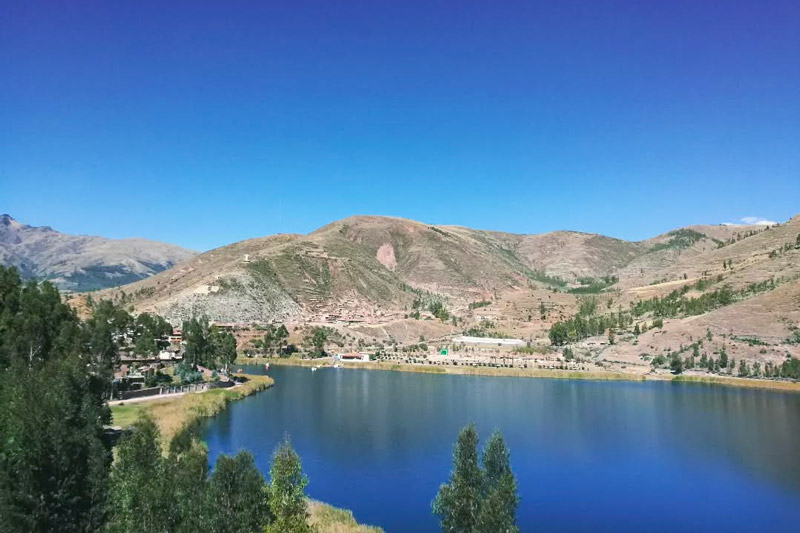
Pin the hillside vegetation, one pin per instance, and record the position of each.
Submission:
(390, 280)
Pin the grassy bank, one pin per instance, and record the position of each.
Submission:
(455, 370)
(171, 414)
(328, 519)
(786, 386)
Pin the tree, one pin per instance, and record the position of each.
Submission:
(53, 460)
(723, 358)
(458, 501)
(676, 364)
(139, 497)
(500, 500)
(187, 472)
(636, 330)
(285, 492)
(744, 370)
(35, 325)
(274, 339)
(797, 241)
(149, 331)
(316, 339)
(439, 310)
(236, 496)
(196, 335)
(223, 347)
(611, 337)
(108, 323)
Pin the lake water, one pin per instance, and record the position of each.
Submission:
(600, 456)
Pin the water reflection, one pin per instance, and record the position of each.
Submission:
(588, 455)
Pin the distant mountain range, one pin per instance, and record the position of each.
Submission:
(380, 279)
(366, 266)
(82, 262)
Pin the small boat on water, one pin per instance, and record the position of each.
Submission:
(313, 368)
(266, 367)
(337, 365)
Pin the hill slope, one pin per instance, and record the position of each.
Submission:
(82, 262)
(374, 269)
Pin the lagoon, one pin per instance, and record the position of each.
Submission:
(588, 455)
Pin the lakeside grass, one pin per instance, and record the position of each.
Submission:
(171, 414)
(750, 383)
(454, 370)
(726, 381)
(326, 518)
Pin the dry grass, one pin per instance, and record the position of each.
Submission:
(325, 518)
(171, 414)
(786, 386)
(456, 370)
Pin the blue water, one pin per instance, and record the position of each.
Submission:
(599, 456)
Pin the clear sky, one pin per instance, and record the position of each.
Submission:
(203, 123)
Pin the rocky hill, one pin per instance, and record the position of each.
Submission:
(366, 267)
(380, 279)
(82, 262)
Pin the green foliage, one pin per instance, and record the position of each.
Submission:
(499, 507)
(542, 277)
(35, 326)
(676, 364)
(275, 339)
(187, 374)
(206, 345)
(149, 332)
(482, 303)
(744, 369)
(198, 349)
(593, 285)
(581, 327)
(315, 340)
(138, 500)
(568, 354)
(680, 239)
(286, 491)
(587, 306)
(236, 495)
(475, 498)
(223, 347)
(439, 310)
(458, 501)
(153, 492)
(675, 304)
(53, 460)
(658, 361)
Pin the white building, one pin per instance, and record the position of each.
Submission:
(487, 341)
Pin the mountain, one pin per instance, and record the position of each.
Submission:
(374, 265)
(82, 262)
(368, 276)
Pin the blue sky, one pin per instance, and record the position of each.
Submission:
(203, 123)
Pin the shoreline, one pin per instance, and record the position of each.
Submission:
(174, 412)
(725, 381)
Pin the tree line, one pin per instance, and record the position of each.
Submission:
(175, 492)
(57, 472)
